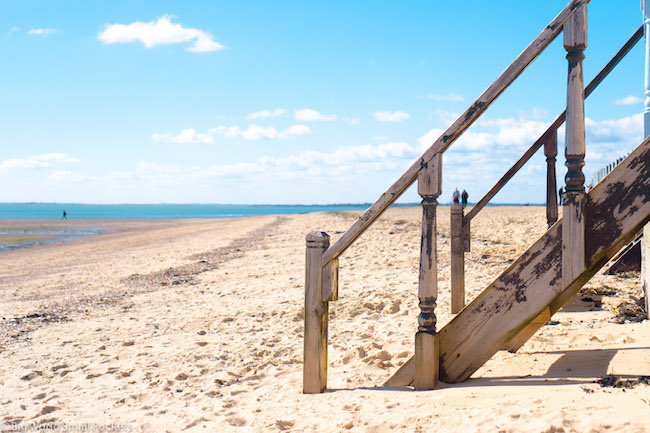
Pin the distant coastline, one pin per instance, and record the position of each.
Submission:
(80, 211)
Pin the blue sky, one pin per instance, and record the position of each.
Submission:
(290, 101)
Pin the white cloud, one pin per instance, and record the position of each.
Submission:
(345, 159)
(626, 129)
(536, 113)
(298, 130)
(252, 132)
(391, 116)
(186, 136)
(10, 164)
(309, 115)
(512, 131)
(256, 132)
(500, 132)
(35, 162)
(449, 97)
(14, 29)
(309, 164)
(352, 120)
(266, 114)
(628, 100)
(59, 157)
(447, 117)
(65, 176)
(160, 32)
(41, 32)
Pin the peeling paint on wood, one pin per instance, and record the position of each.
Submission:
(495, 316)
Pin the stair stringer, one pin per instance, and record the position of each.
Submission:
(616, 209)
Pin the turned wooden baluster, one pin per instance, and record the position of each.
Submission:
(426, 339)
(550, 151)
(314, 379)
(573, 222)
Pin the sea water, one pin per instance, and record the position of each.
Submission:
(30, 233)
(52, 211)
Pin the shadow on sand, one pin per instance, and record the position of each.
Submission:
(574, 367)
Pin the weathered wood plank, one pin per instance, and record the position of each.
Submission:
(457, 259)
(467, 236)
(645, 267)
(331, 281)
(430, 178)
(617, 208)
(426, 340)
(452, 133)
(314, 379)
(404, 375)
(530, 330)
(573, 236)
(426, 361)
(573, 225)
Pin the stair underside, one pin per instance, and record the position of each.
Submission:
(615, 210)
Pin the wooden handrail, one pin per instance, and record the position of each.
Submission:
(530, 53)
(554, 126)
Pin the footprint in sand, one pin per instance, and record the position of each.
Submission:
(284, 425)
(33, 375)
(394, 308)
(47, 409)
(236, 421)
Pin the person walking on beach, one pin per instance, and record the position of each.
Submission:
(463, 198)
(456, 197)
(560, 192)
(65, 215)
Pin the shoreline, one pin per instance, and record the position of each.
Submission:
(53, 211)
(55, 231)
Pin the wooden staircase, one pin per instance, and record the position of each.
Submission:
(617, 208)
(595, 226)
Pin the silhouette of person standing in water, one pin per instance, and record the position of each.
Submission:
(463, 198)
(65, 215)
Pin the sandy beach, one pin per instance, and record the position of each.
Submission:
(196, 325)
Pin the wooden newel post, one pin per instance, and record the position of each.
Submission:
(550, 151)
(573, 222)
(314, 379)
(426, 339)
(458, 245)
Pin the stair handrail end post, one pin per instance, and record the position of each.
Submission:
(315, 315)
